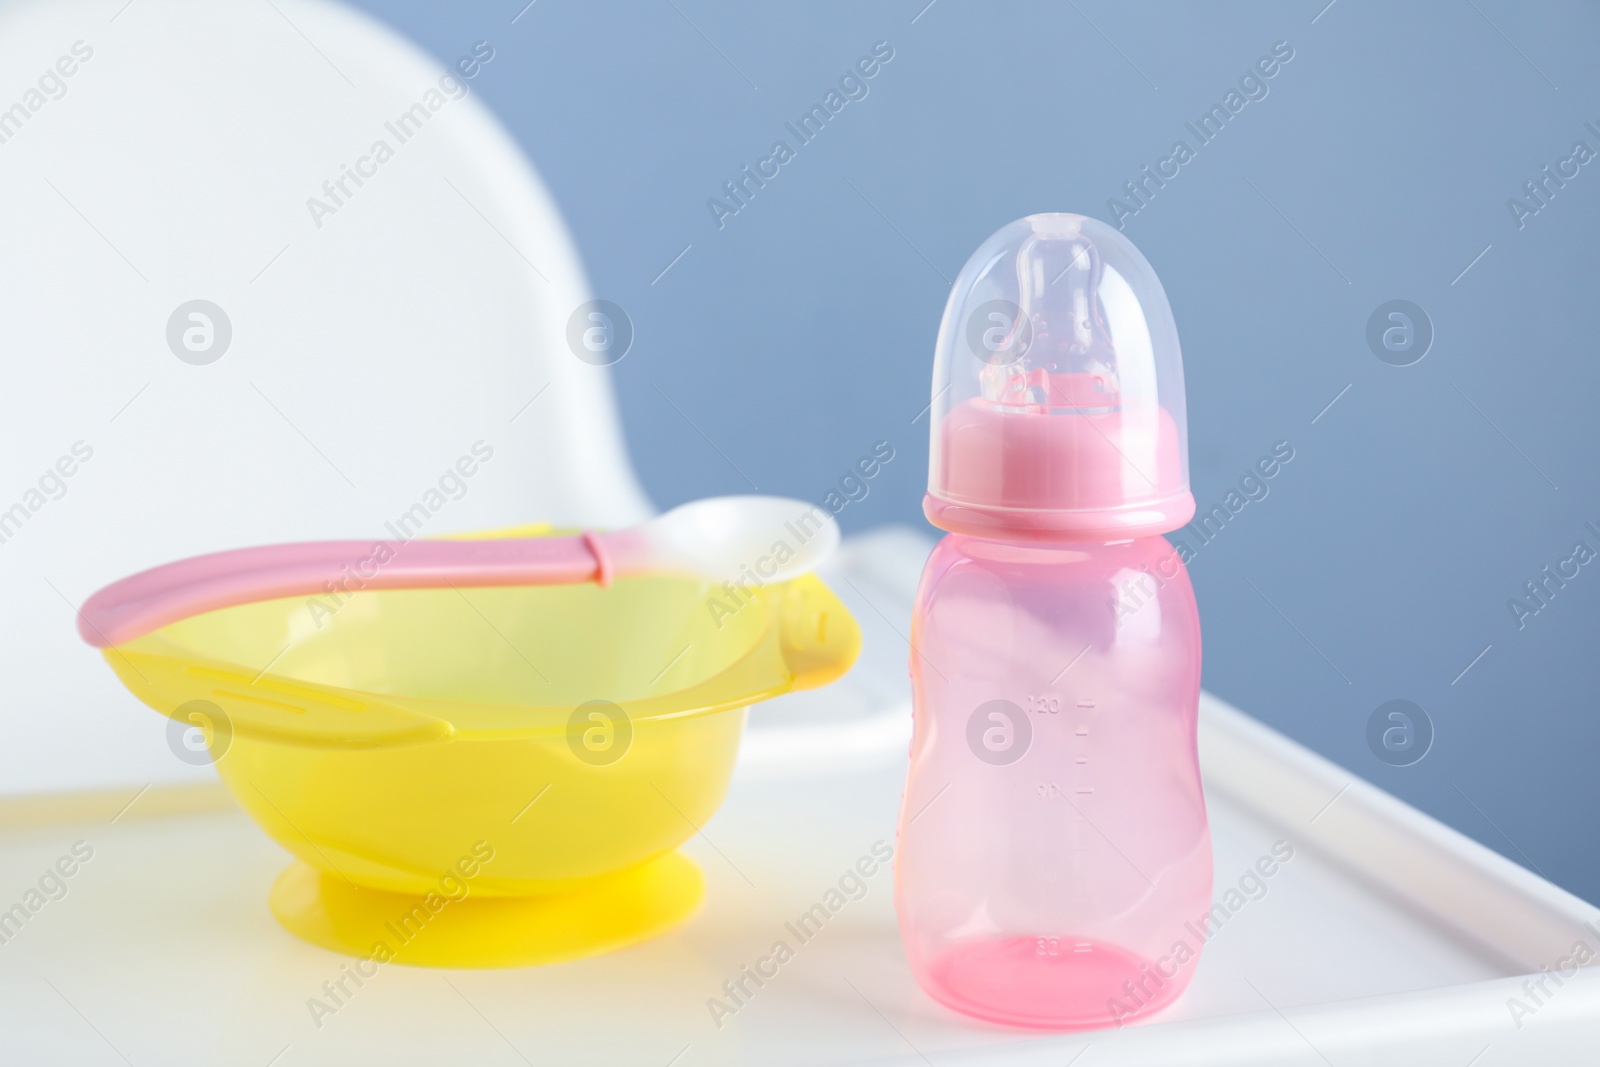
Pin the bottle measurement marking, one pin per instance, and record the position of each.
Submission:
(1046, 704)
(1081, 855)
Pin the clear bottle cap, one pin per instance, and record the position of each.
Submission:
(1058, 405)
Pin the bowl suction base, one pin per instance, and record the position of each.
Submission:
(482, 931)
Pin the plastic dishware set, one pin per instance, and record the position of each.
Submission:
(502, 739)
(509, 766)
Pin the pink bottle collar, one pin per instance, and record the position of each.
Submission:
(1032, 525)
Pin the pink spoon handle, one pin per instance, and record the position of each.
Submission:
(140, 603)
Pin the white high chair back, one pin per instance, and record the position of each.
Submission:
(268, 273)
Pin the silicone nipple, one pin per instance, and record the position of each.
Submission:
(1070, 358)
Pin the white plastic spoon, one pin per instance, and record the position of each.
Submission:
(756, 539)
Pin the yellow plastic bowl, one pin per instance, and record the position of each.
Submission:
(575, 734)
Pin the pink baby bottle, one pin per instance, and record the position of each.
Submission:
(1054, 867)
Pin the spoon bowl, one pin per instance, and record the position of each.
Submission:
(727, 538)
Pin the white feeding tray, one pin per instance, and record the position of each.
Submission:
(1387, 938)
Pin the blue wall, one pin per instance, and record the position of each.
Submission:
(1378, 166)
